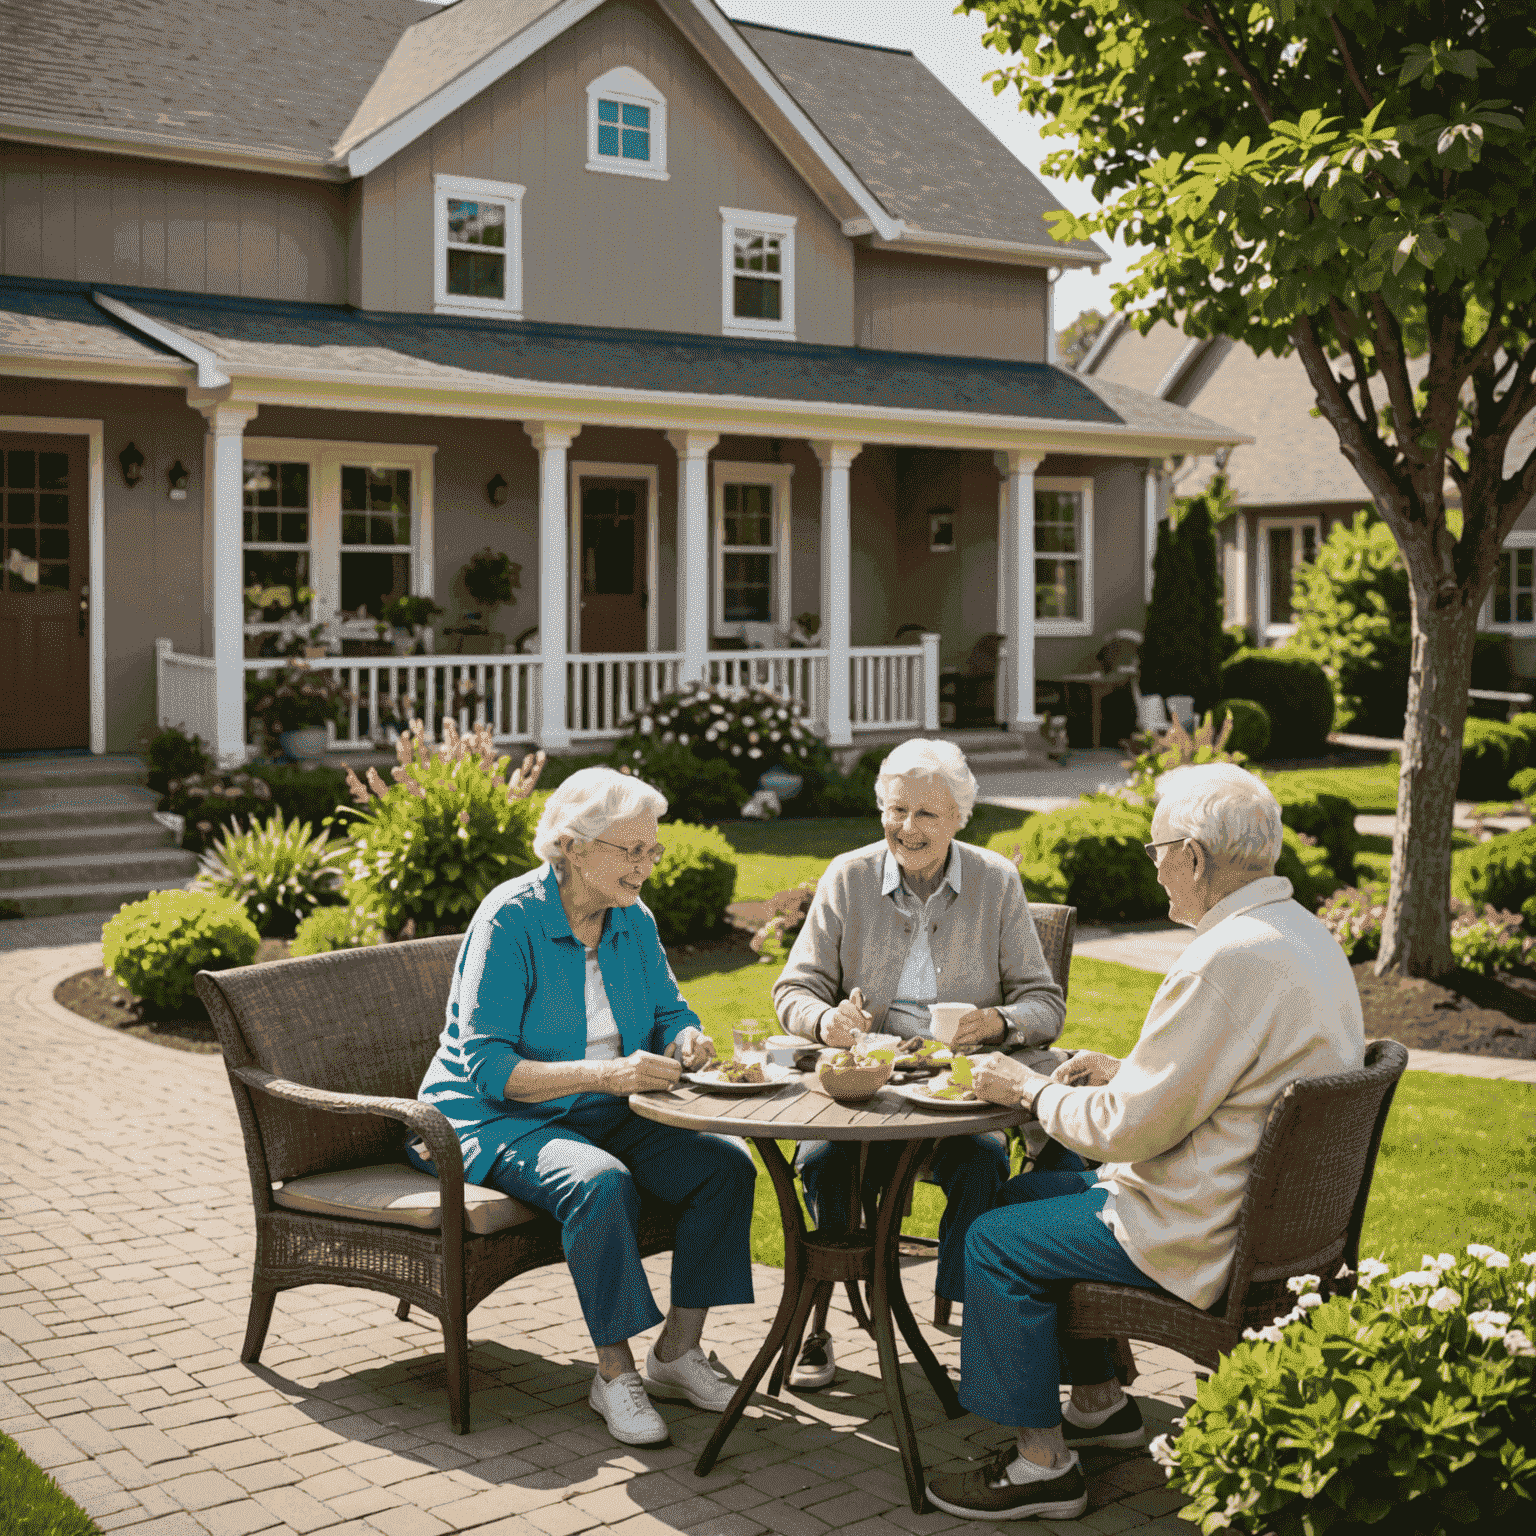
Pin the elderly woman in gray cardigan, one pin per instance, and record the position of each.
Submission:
(916, 919)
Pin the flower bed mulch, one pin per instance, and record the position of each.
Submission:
(1476, 1015)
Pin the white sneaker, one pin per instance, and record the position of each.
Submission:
(627, 1410)
(815, 1368)
(690, 1376)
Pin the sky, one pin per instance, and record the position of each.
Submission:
(951, 47)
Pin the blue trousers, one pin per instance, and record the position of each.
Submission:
(1046, 1229)
(969, 1169)
(588, 1171)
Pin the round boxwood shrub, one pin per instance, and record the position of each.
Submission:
(1251, 728)
(1090, 856)
(1492, 752)
(331, 928)
(699, 791)
(156, 947)
(1305, 864)
(1327, 819)
(693, 884)
(1293, 690)
(1499, 873)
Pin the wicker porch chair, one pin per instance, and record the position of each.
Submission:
(324, 1056)
(1057, 928)
(1301, 1214)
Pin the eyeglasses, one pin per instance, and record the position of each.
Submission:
(1172, 842)
(641, 853)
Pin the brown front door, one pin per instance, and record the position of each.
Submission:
(45, 691)
(613, 574)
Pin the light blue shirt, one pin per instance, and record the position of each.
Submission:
(919, 983)
(519, 994)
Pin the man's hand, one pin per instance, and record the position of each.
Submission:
(640, 1072)
(839, 1027)
(1004, 1080)
(981, 1026)
(1087, 1069)
(693, 1048)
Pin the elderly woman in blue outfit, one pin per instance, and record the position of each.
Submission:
(563, 1004)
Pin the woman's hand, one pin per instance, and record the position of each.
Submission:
(640, 1072)
(981, 1026)
(849, 1018)
(1001, 1079)
(692, 1047)
(1087, 1069)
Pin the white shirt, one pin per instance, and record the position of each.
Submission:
(919, 983)
(1262, 997)
(603, 1042)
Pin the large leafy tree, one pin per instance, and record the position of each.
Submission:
(1357, 182)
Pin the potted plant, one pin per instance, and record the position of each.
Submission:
(807, 627)
(278, 604)
(408, 617)
(489, 578)
(295, 708)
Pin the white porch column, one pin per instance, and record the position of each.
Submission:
(836, 581)
(693, 449)
(553, 439)
(224, 568)
(1017, 534)
(1149, 520)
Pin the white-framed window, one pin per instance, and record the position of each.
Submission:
(941, 531)
(477, 247)
(1064, 556)
(758, 273)
(751, 585)
(626, 126)
(1284, 543)
(1511, 605)
(352, 521)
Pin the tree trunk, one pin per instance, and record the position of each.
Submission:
(1416, 936)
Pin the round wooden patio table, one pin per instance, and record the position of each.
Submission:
(800, 1112)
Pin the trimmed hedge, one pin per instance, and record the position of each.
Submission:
(1499, 873)
(1306, 866)
(693, 884)
(1090, 856)
(1492, 752)
(332, 928)
(156, 947)
(1294, 691)
(1329, 819)
(1251, 727)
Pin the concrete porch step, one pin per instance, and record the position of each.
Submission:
(104, 805)
(149, 868)
(83, 840)
(69, 772)
(98, 896)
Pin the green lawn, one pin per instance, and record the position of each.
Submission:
(1371, 790)
(32, 1504)
(1457, 1165)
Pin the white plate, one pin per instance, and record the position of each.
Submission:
(712, 1082)
(919, 1094)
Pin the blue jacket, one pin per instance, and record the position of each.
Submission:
(519, 994)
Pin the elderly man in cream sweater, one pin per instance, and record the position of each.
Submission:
(1262, 996)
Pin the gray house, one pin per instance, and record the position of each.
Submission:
(708, 327)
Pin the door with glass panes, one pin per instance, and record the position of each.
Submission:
(613, 560)
(44, 594)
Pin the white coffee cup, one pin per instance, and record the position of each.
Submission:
(945, 1020)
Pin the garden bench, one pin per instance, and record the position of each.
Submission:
(1301, 1214)
(324, 1056)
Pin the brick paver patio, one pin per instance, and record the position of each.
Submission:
(125, 1249)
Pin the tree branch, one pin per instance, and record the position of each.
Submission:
(1208, 23)
(1346, 334)
(1349, 64)
(1394, 369)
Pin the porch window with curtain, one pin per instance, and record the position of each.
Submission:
(747, 555)
(375, 537)
(277, 531)
(1058, 555)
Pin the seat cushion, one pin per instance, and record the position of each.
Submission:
(397, 1193)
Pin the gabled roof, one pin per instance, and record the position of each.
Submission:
(940, 170)
(267, 80)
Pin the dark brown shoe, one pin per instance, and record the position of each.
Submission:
(987, 1493)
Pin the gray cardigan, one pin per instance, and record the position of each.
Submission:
(985, 949)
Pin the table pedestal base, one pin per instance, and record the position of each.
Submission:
(812, 1263)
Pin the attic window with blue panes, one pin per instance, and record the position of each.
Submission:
(626, 126)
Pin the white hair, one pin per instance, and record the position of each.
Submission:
(921, 758)
(1227, 810)
(587, 804)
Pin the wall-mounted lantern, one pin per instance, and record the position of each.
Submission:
(133, 465)
(178, 479)
(496, 491)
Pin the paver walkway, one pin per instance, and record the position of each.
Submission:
(125, 1251)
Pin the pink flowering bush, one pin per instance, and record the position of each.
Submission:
(1483, 939)
(1413, 1399)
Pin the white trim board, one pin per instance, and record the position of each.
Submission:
(593, 469)
(94, 433)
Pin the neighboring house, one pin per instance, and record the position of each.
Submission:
(706, 325)
(1291, 480)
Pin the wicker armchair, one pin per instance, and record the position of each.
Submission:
(1301, 1214)
(324, 1057)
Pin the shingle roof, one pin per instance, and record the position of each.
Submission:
(912, 142)
(276, 78)
(51, 321)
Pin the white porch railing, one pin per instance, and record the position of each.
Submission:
(892, 687)
(185, 692)
(604, 691)
(792, 674)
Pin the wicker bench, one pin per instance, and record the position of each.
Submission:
(324, 1056)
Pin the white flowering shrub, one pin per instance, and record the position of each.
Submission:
(423, 852)
(1415, 1399)
(278, 871)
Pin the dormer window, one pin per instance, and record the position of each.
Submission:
(626, 125)
(478, 256)
(758, 276)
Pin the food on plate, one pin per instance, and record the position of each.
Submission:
(923, 1055)
(742, 1072)
(958, 1085)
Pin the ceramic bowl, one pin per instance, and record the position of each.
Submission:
(852, 1085)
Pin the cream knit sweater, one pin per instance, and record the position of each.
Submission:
(1262, 997)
